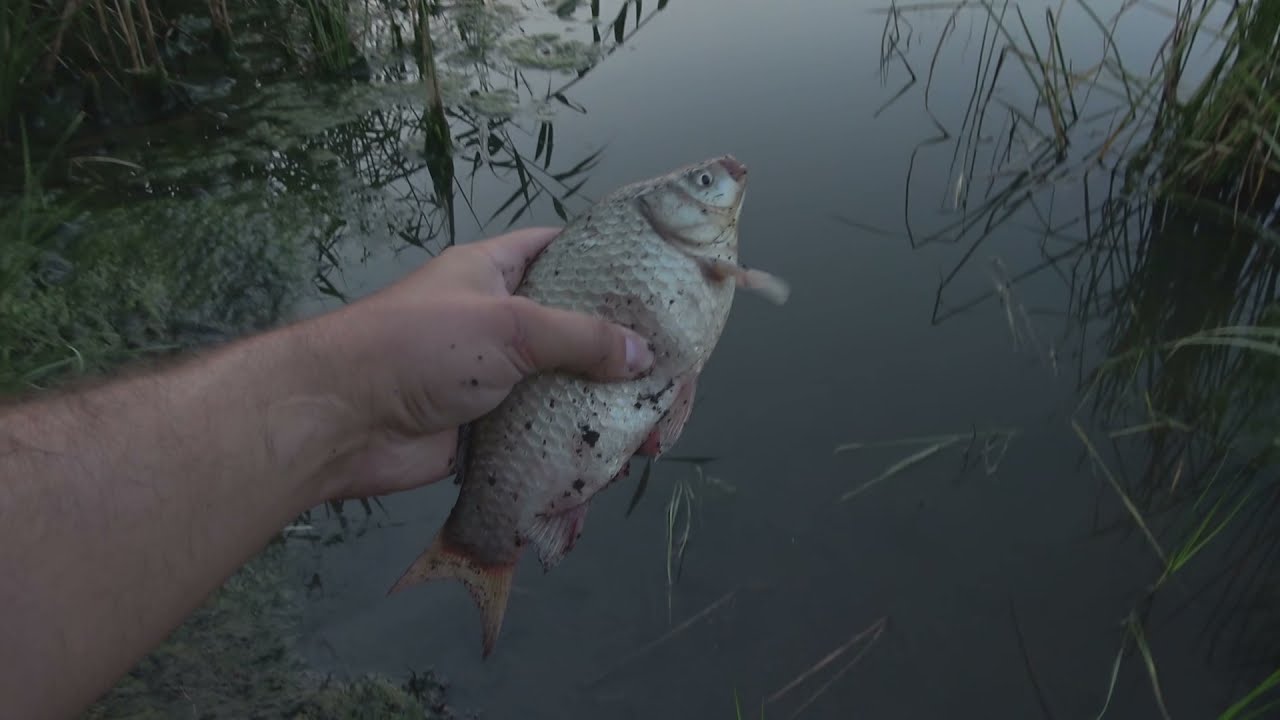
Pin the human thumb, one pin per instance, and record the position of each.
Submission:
(546, 338)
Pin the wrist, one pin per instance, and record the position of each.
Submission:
(314, 418)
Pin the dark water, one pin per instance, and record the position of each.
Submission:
(1002, 592)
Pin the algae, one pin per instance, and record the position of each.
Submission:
(502, 102)
(549, 51)
(235, 658)
(102, 286)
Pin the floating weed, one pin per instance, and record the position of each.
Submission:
(1140, 638)
(866, 638)
(679, 506)
(1021, 328)
(667, 636)
(994, 445)
(549, 51)
(493, 103)
(679, 514)
(1129, 505)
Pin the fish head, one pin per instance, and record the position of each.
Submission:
(697, 206)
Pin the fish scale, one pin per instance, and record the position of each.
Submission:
(659, 256)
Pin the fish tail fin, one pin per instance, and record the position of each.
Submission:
(490, 586)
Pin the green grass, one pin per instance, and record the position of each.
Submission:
(83, 292)
(990, 445)
(235, 657)
(328, 22)
(1148, 183)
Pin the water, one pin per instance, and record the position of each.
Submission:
(1000, 590)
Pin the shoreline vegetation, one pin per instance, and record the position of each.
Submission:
(1150, 184)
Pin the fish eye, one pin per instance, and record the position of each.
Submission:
(704, 179)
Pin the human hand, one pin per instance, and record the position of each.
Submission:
(444, 346)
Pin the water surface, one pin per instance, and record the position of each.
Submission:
(1002, 581)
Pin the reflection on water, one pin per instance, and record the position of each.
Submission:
(960, 472)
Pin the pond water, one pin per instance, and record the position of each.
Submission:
(994, 576)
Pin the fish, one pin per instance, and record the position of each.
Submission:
(659, 256)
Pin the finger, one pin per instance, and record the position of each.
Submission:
(544, 338)
(405, 465)
(512, 252)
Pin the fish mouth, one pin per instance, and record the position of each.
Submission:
(736, 170)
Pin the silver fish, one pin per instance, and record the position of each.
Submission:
(659, 256)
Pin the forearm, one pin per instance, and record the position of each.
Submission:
(122, 508)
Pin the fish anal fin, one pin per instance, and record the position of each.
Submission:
(667, 431)
(489, 585)
(554, 534)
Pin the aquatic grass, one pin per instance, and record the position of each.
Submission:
(98, 47)
(737, 707)
(1244, 709)
(473, 130)
(1136, 514)
(1149, 663)
(667, 636)
(990, 445)
(23, 40)
(1168, 177)
(86, 291)
(1225, 134)
(328, 24)
(864, 640)
(680, 505)
(1208, 528)
(1202, 504)
(678, 514)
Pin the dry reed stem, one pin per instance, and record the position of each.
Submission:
(129, 32)
(151, 35)
(666, 636)
(874, 630)
(106, 31)
(69, 11)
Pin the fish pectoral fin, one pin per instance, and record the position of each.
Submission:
(554, 535)
(490, 586)
(773, 288)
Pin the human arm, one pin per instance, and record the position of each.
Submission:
(123, 506)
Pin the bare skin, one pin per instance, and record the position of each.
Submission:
(124, 505)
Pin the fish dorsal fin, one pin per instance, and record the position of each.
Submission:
(554, 535)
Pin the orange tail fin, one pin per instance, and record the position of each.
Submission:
(489, 585)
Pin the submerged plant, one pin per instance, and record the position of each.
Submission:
(328, 23)
(1151, 195)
